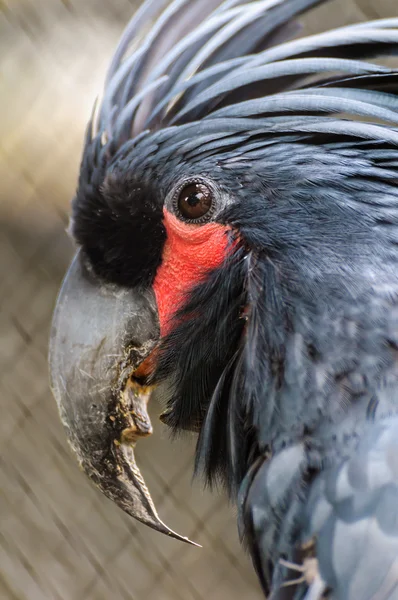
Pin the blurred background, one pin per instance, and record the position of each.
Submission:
(60, 539)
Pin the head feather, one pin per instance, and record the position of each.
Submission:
(181, 61)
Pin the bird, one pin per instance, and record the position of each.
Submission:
(236, 224)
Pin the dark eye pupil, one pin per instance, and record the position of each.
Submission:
(195, 201)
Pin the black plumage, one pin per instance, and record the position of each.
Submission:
(284, 358)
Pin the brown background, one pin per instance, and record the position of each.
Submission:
(59, 538)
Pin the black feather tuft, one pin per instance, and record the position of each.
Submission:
(118, 223)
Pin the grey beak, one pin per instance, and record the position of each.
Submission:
(100, 334)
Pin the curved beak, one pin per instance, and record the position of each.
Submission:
(100, 335)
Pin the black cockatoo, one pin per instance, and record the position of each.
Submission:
(237, 223)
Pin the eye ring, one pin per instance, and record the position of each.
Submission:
(194, 201)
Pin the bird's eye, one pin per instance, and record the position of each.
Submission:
(195, 200)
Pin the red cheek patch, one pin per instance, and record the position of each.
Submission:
(189, 253)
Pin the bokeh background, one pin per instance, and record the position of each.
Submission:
(60, 539)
